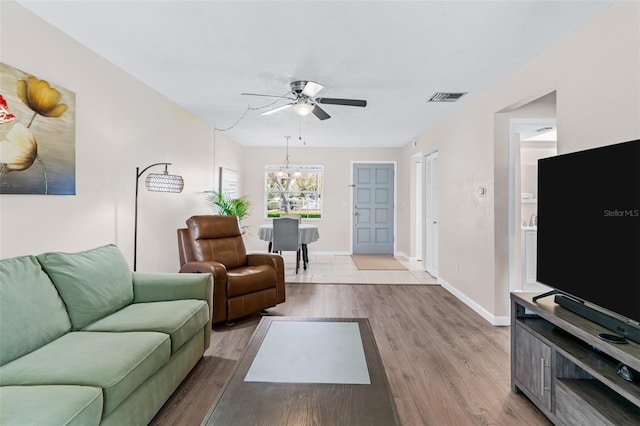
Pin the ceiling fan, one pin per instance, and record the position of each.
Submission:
(304, 101)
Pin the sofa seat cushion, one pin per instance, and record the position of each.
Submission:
(249, 279)
(50, 405)
(116, 362)
(93, 283)
(180, 319)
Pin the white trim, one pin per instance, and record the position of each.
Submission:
(492, 319)
(402, 255)
(516, 125)
(330, 253)
(312, 253)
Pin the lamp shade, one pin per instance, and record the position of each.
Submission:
(303, 108)
(164, 182)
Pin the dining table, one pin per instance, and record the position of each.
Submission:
(307, 234)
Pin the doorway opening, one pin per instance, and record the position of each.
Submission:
(530, 140)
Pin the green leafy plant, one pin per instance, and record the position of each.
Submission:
(226, 205)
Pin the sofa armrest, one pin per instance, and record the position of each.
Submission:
(277, 262)
(157, 287)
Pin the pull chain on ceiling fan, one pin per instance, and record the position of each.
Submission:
(304, 101)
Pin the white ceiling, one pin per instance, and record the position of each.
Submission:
(203, 54)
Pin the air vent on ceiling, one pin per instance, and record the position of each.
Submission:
(446, 97)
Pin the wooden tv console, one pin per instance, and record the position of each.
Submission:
(564, 368)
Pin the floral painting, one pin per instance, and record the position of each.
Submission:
(37, 135)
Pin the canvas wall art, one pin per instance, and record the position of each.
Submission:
(229, 182)
(37, 135)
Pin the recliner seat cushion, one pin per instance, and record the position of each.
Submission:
(180, 319)
(249, 279)
(116, 362)
(50, 405)
(93, 283)
(31, 311)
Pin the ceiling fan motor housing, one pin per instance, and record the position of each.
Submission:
(298, 86)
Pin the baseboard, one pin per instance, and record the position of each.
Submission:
(492, 319)
(329, 253)
(311, 253)
(403, 256)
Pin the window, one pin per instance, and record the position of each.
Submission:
(294, 190)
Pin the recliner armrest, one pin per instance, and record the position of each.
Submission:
(265, 259)
(219, 273)
(217, 269)
(275, 260)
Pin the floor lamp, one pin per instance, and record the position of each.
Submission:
(158, 183)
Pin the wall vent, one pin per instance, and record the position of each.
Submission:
(446, 96)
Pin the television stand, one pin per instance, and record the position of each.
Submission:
(610, 323)
(561, 365)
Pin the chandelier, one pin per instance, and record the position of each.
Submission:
(286, 171)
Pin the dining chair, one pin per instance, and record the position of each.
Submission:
(285, 237)
(293, 216)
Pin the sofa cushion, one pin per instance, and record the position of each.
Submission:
(50, 405)
(116, 362)
(180, 319)
(93, 284)
(31, 311)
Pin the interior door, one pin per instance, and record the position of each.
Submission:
(431, 213)
(373, 215)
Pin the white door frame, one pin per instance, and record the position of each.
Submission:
(419, 211)
(516, 125)
(395, 201)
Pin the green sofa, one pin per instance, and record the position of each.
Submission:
(85, 341)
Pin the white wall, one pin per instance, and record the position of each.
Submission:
(228, 154)
(334, 227)
(595, 73)
(120, 124)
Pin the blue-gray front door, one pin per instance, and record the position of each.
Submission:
(373, 208)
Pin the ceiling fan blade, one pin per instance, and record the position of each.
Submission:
(311, 89)
(267, 96)
(280, 108)
(349, 102)
(320, 113)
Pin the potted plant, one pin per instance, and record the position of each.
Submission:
(227, 205)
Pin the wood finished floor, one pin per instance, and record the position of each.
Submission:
(445, 364)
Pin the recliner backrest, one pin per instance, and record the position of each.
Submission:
(217, 238)
(185, 249)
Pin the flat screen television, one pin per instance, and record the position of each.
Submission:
(588, 237)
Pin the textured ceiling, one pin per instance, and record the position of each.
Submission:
(203, 54)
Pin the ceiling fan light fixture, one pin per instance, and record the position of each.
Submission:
(303, 108)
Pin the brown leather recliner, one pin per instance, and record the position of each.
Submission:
(243, 283)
